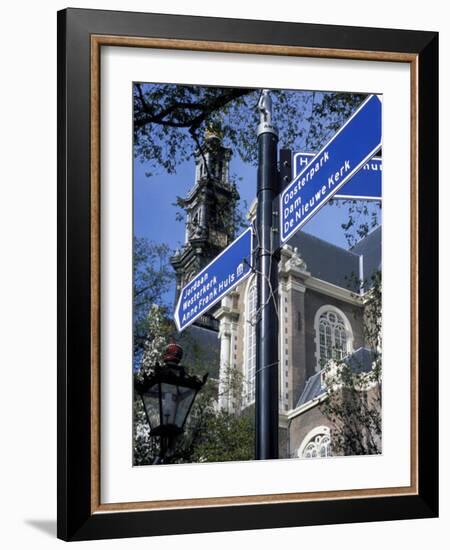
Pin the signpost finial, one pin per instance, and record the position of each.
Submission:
(265, 114)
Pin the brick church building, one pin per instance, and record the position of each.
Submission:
(320, 302)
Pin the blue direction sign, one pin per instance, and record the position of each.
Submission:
(355, 143)
(213, 282)
(364, 185)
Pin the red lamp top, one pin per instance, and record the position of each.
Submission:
(173, 353)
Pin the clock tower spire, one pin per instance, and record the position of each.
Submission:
(210, 215)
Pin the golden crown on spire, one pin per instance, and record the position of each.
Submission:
(212, 131)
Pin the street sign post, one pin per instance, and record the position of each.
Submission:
(355, 143)
(266, 326)
(364, 185)
(227, 270)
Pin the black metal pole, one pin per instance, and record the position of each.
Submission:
(266, 377)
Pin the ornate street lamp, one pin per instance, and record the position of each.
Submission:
(168, 394)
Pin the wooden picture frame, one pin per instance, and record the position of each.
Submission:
(81, 35)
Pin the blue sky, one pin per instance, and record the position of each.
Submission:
(155, 213)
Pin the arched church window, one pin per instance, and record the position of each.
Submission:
(250, 342)
(333, 335)
(318, 447)
(317, 444)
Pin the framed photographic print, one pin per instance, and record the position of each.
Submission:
(247, 274)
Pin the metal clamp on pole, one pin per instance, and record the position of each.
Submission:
(266, 376)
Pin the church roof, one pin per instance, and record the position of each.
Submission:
(201, 349)
(360, 361)
(337, 265)
(327, 261)
(370, 249)
(313, 389)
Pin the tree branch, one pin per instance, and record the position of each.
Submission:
(192, 122)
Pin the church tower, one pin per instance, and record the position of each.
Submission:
(210, 215)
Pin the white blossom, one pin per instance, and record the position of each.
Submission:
(155, 343)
